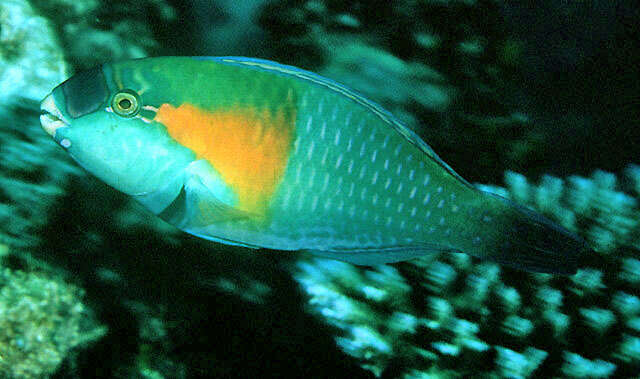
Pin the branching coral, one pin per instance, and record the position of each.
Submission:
(371, 308)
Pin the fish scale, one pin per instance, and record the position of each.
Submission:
(253, 153)
(373, 200)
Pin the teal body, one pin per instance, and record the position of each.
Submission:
(358, 182)
(351, 182)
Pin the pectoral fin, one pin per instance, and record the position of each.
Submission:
(204, 200)
(158, 200)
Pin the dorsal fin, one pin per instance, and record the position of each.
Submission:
(384, 115)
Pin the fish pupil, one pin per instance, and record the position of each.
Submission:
(125, 104)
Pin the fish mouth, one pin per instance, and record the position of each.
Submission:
(51, 118)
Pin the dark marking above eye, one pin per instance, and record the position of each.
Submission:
(85, 92)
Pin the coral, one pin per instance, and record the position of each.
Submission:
(370, 308)
(575, 366)
(42, 320)
(512, 364)
(598, 319)
(630, 272)
(470, 308)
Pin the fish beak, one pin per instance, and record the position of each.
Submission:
(51, 118)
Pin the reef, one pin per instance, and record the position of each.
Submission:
(43, 319)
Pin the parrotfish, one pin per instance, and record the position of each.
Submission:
(254, 153)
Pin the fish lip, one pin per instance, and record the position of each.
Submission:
(51, 118)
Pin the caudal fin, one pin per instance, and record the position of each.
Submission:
(527, 240)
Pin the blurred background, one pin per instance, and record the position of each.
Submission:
(537, 102)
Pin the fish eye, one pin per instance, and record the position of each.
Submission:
(126, 103)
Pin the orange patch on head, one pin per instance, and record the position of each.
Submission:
(249, 147)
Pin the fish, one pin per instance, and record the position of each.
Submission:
(254, 153)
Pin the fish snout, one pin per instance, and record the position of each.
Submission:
(51, 118)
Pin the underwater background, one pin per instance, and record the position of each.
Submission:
(539, 103)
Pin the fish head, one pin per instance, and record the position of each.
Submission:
(105, 123)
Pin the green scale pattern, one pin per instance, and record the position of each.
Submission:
(354, 182)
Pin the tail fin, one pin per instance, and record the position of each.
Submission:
(527, 240)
